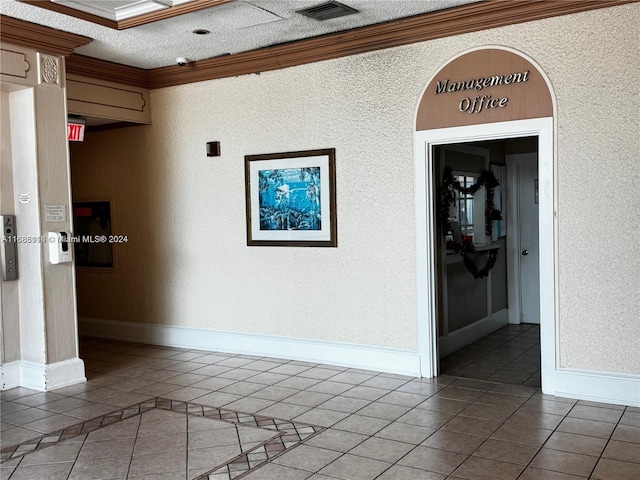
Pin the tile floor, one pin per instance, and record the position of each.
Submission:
(150, 412)
(508, 355)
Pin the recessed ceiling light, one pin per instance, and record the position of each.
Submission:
(201, 31)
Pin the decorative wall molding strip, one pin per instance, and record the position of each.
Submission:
(48, 69)
(403, 362)
(617, 388)
(13, 64)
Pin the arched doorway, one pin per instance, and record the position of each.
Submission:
(484, 95)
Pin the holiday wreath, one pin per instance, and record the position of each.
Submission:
(449, 186)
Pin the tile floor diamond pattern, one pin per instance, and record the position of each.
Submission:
(147, 412)
(150, 439)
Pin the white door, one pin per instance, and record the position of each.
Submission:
(529, 228)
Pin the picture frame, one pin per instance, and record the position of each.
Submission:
(91, 220)
(291, 199)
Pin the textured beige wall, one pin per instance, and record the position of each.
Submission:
(187, 262)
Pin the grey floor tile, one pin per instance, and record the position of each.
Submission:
(37, 399)
(385, 411)
(273, 392)
(330, 387)
(564, 462)
(321, 416)
(511, 452)
(608, 469)
(25, 416)
(96, 469)
(426, 418)
(56, 471)
(52, 423)
(157, 463)
(278, 472)
(478, 468)
(285, 411)
(345, 404)
(433, 460)
(249, 404)
(361, 424)
(308, 457)
(351, 467)
(337, 440)
(382, 449)
(454, 442)
(62, 452)
(400, 472)
(404, 432)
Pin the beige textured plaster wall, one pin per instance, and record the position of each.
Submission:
(187, 262)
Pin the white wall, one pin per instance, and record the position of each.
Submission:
(187, 263)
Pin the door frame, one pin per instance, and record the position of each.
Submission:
(426, 272)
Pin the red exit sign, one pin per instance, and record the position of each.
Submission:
(75, 132)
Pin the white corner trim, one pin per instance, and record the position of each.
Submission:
(33, 375)
(40, 376)
(617, 388)
(389, 360)
(10, 375)
(65, 373)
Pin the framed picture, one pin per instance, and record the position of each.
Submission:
(92, 221)
(291, 199)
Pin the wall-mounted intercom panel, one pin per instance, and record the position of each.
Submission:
(59, 247)
(9, 248)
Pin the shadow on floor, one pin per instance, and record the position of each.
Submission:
(508, 355)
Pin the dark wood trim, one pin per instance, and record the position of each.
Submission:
(108, 71)
(129, 22)
(444, 23)
(38, 37)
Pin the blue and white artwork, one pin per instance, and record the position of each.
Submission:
(289, 199)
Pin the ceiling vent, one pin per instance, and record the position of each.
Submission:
(327, 10)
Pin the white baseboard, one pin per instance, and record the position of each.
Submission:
(617, 388)
(65, 373)
(10, 375)
(593, 386)
(466, 335)
(390, 360)
(42, 377)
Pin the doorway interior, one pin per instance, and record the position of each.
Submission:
(498, 302)
(487, 262)
(486, 257)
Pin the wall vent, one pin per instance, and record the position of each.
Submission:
(327, 10)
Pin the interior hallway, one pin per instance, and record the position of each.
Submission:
(166, 413)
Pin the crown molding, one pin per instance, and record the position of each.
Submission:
(444, 23)
(104, 70)
(38, 37)
(128, 22)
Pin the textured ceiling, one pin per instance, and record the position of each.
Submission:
(235, 27)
